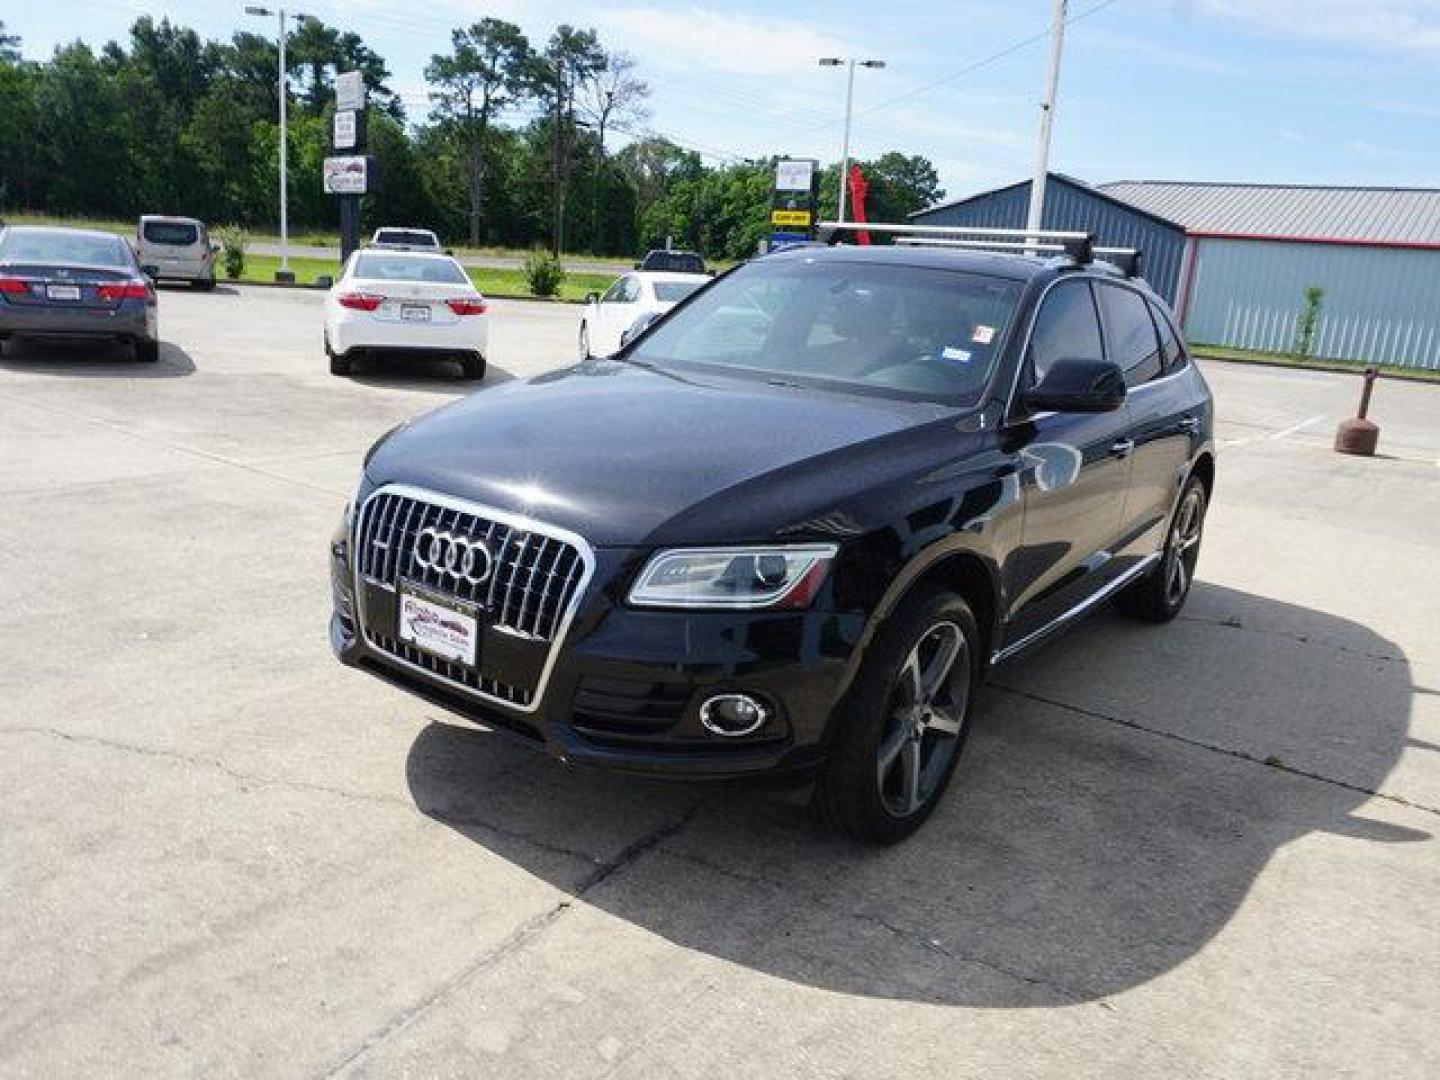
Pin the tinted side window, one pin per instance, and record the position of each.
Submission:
(1065, 329)
(1130, 334)
(1172, 352)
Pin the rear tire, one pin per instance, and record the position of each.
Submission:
(1159, 595)
(472, 365)
(903, 726)
(205, 284)
(147, 350)
(339, 365)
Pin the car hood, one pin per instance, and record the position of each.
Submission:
(614, 451)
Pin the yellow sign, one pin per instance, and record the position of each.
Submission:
(790, 217)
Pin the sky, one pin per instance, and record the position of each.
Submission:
(1264, 91)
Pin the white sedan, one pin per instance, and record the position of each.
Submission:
(606, 318)
(405, 302)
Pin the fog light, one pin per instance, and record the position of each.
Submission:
(733, 715)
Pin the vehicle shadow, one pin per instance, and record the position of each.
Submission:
(1075, 857)
(425, 374)
(93, 360)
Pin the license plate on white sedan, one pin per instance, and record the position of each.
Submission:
(63, 292)
(444, 628)
(415, 312)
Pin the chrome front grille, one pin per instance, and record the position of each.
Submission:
(534, 573)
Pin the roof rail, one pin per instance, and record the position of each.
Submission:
(1078, 245)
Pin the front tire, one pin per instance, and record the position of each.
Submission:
(903, 726)
(1159, 595)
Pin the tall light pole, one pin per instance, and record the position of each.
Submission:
(849, 63)
(1047, 119)
(284, 108)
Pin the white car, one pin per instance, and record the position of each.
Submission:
(606, 318)
(388, 300)
(399, 236)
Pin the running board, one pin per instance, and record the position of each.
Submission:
(1093, 600)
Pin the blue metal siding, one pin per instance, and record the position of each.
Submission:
(1380, 304)
(1073, 206)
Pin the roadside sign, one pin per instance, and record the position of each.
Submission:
(346, 130)
(794, 175)
(349, 91)
(790, 218)
(349, 174)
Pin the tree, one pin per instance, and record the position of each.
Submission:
(570, 58)
(613, 93)
(9, 45)
(318, 52)
(489, 69)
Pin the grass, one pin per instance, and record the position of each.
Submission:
(496, 283)
(1354, 367)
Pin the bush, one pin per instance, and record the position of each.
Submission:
(232, 250)
(544, 273)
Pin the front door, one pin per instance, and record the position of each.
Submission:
(1074, 474)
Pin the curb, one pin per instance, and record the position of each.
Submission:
(1422, 375)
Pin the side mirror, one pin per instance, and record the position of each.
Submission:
(214, 247)
(592, 298)
(1081, 386)
(449, 252)
(637, 266)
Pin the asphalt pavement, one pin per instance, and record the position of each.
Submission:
(1206, 849)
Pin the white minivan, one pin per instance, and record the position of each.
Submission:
(176, 249)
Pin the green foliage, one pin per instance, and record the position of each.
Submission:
(232, 250)
(543, 273)
(1307, 321)
(166, 121)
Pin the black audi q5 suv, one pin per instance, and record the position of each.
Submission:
(788, 529)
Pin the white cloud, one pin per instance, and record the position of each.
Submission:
(1397, 24)
(722, 41)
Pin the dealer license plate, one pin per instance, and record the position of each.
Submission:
(415, 312)
(63, 292)
(441, 627)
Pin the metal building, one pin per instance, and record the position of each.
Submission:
(1235, 260)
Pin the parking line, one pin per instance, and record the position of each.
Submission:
(1295, 428)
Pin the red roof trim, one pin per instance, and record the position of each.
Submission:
(1404, 245)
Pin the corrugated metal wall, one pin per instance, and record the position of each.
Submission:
(1380, 304)
(1073, 206)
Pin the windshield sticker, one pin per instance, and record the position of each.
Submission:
(960, 356)
(983, 335)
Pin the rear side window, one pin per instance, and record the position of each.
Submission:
(172, 233)
(1066, 328)
(1171, 351)
(1130, 334)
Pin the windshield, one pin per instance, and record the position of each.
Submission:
(61, 246)
(377, 267)
(902, 331)
(672, 292)
(174, 233)
(406, 236)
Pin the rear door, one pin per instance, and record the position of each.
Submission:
(1162, 413)
(1073, 469)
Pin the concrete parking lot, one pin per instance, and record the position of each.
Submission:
(1206, 849)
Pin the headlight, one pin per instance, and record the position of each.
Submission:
(751, 577)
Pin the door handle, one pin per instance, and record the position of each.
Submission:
(1122, 447)
(1190, 424)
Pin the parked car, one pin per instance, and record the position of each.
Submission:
(75, 285)
(409, 239)
(176, 249)
(667, 260)
(788, 530)
(399, 301)
(607, 317)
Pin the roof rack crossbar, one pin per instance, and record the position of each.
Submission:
(1075, 244)
(1000, 245)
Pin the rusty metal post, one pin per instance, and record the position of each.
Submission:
(1360, 436)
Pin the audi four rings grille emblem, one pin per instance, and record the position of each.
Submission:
(459, 556)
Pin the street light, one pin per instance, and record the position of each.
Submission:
(850, 63)
(251, 9)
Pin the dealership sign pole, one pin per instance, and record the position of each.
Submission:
(351, 174)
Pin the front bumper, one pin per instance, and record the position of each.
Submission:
(626, 686)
